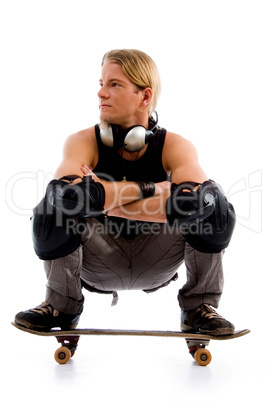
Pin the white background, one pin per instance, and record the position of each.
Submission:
(212, 59)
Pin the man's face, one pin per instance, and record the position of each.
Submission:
(119, 98)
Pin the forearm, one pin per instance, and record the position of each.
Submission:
(119, 194)
(148, 210)
(128, 200)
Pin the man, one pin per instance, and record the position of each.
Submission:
(129, 204)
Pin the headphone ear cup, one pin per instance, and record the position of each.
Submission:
(135, 139)
(106, 134)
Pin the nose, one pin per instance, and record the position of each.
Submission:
(103, 93)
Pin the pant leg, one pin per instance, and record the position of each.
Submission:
(204, 271)
(64, 284)
(113, 263)
(204, 279)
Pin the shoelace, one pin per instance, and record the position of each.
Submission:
(44, 309)
(208, 312)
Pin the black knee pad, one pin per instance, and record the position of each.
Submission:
(205, 217)
(54, 234)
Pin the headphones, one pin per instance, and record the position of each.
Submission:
(132, 140)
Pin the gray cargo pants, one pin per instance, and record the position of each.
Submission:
(108, 262)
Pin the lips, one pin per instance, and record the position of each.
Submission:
(103, 106)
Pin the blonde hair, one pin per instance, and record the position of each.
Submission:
(139, 68)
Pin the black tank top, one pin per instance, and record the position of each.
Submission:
(113, 167)
(148, 168)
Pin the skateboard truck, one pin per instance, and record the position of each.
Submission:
(198, 351)
(68, 347)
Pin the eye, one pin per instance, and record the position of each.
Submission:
(115, 84)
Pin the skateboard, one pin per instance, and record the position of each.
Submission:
(196, 342)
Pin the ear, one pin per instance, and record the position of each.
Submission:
(147, 97)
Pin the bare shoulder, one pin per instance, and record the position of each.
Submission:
(80, 148)
(177, 148)
(82, 143)
(180, 157)
(177, 140)
(81, 138)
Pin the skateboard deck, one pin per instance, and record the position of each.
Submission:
(196, 342)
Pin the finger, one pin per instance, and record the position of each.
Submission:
(85, 169)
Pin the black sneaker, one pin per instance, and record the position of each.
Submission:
(205, 320)
(45, 317)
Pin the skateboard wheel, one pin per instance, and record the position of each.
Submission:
(202, 357)
(62, 355)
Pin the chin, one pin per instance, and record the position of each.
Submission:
(108, 120)
(106, 117)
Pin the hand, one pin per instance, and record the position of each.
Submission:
(188, 207)
(88, 172)
(84, 199)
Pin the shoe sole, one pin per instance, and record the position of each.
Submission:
(217, 332)
(28, 325)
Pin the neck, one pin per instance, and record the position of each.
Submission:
(132, 156)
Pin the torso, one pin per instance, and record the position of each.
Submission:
(112, 165)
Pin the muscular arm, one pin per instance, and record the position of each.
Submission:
(79, 148)
(81, 151)
(123, 199)
(148, 210)
(180, 157)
